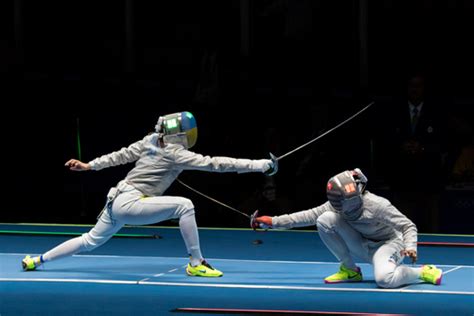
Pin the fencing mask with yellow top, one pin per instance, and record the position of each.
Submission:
(178, 128)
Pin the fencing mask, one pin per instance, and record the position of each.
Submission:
(178, 128)
(344, 192)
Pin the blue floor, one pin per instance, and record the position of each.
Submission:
(284, 272)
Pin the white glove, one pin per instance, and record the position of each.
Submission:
(263, 165)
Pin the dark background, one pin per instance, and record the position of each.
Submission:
(259, 76)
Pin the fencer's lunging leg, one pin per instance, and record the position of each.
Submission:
(132, 208)
(102, 231)
(341, 239)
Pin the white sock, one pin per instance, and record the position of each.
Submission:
(37, 260)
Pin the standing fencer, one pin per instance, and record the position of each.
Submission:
(138, 199)
(355, 222)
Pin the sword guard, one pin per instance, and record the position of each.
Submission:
(254, 224)
(274, 169)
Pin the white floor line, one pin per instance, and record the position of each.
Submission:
(453, 269)
(56, 280)
(234, 286)
(303, 288)
(159, 274)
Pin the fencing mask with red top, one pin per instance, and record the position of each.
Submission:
(344, 192)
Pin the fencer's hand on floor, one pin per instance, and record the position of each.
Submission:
(410, 253)
(76, 165)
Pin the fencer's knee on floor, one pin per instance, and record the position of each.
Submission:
(385, 280)
(328, 222)
(386, 275)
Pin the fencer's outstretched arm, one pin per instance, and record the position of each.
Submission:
(123, 156)
(187, 160)
(298, 219)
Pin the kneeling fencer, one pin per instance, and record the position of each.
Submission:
(355, 222)
(138, 199)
